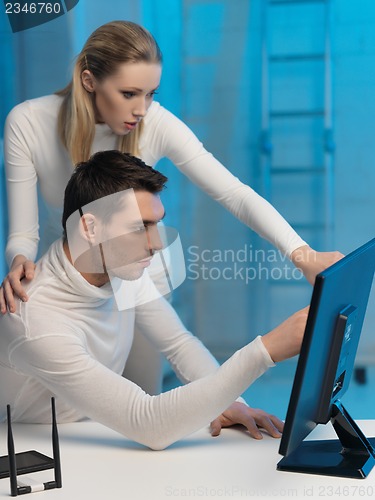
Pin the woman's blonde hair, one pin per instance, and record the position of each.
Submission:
(112, 44)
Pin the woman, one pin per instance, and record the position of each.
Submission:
(109, 105)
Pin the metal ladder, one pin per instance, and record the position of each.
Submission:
(296, 143)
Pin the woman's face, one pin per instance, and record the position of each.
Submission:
(122, 99)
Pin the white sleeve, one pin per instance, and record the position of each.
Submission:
(171, 138)
(21, 182)
(62, 364)
(189, 358)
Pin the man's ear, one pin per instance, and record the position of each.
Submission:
(89, 229)
(88, 80)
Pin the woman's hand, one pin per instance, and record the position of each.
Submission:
(312, 263)
(11, 286)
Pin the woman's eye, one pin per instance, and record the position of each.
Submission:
(128, 95)
(151, 94)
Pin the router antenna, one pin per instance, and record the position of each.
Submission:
(11, 457)
(56, 447)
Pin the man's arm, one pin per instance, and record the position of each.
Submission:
(61, 364)
(191, 361)
(281, 345)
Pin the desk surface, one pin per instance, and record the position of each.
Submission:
(98, 463)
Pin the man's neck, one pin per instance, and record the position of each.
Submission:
(95, 279)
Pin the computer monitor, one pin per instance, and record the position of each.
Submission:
(323, 372)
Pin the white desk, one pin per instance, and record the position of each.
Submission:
(98, 463)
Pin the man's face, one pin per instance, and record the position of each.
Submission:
(130, 237)
(117, 236)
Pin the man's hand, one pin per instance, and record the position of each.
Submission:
(252, 419)
(285, 340)
(312, 263)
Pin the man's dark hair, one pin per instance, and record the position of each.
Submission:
(106, 173)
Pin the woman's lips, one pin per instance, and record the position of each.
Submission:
(130, 125)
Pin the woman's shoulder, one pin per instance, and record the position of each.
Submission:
(157, 112)
(166, 135)
(41, 106)
(160, 121)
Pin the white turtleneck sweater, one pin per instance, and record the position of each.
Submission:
(69, 340)
(34, 156)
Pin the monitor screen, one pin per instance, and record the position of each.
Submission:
(324, 369)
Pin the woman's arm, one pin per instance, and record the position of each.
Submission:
(21, 183)
(168, 136)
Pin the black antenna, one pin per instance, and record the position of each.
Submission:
(11, 457)
(56, 447)
(49, 485)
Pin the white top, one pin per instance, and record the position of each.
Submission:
(70, 340)
(34, 155)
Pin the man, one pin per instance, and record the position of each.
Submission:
(70, 340)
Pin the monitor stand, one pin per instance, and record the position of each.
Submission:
(352, 455)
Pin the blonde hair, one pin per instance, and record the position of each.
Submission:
(112, 44)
